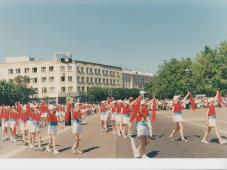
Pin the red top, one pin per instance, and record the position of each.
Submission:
(77, 115)
(102, 108)
(36, 117)
(52, 118)
(23, 116)
(13, 115)
(145, 110)
(43, 108)
(211, 110)
(114, 109)
(177, 107)
(118, 110)
(126, 109)
(5, 114)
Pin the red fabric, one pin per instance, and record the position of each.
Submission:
(36, 117)
(5, 114)
(23, 116)
(220, 99)
(13, 115)
(119, 108)
(102, 108)
(192, 101)
(211, 110)
(114, 109)
(68, 111)
(177, 107)
(153, 110)
(52, 118)
(19, 107)
(126, 110)
(43, 107)
(77, 115)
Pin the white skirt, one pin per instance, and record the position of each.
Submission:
(212, 121)
(12, 123)
(103, 116)
(76, 128)
(118, 117)
(5, 123)
(34, 127)
(28, 124)
(125, 119)
(52, 130)
(23, 126)
(113, 116)
(178, 118)
(142, 130)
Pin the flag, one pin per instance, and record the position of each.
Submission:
(19, 107)
(192, 101)
(153, 110)
(220, 99)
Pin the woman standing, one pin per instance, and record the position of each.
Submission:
(52, 129)
(103, 116)
(77, 128)
(5, 122)
(113, 115)
(211, 118)
(177, 115)
(125, 111)
(119, 118)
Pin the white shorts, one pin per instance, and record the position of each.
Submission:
(12, 123)
(212, 121)
(5, 123)
(178, 118)
(22, 126)
(34, 127)
(103, 116)
(52, 130)
(119, 117)
(76, 127)
(125, 119)
(113, 116)
(28, 124)
(142, 130)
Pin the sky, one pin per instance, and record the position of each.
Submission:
(133, 34)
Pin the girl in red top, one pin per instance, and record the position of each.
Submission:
(125, 111)
(119, 118)
(211, 118)
(113, 111)
(23, 128)
(177, 115)
(13, 116)
(77, 127)
(5, 122)
(103, 116)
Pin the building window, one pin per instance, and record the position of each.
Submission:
(62, 68)
(91, 70)
(107, 81)
(62, 78)
(44, 79)
(26, 70)
(82, 89)
(82, 79)
(70, 68)
(87, 79)
(100, 81)
(52, 89)
(78, 79)
(51, 79)
(82, 70)
(87, 70)
(17, 71)
(91, 80)
(78, 89)
(10, 71)
(70, 89)
(104, 81)
(36, 90)
(51, 68)
(44, 90)
(62, 89)
(43, 69)
(95, 80)
(70, 78)
(34, 70)
(34, 80)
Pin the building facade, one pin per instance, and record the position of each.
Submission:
(135, 79)
(58, 79)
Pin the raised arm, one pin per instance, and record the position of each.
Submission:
(186, 96)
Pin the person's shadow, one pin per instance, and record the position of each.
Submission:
(153, 154)
(90, 149)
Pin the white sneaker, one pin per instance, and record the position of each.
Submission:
(14, 140)
(124, 136)
(145, 156)
(114, 132)
(31, 146)
(204, 142)
(4, 139)
(77, 151)
(11, 139)
(56, 152)
(223, 142)
(48, 149)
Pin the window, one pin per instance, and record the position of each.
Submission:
(17, 71)
(87, 70)
(104, 81)
(51, 68)
(34, 80)
(91, 80)
(107, 81)
(70, 68)
(62, 68)
(44, 79)
(78, 79)
(52, 89)
(78, 69)
(87, 79)
(51, 79)
(70, 78)
(10, 71)
(100, 81)
(95, 80)
(111, 81)
(62, 89)
(44, 90)
(36, 90)
(43, 69)
(26, 70)
(82, 79)
(78, 89)
(91, 70)
(70, 89)
(82, 70)
(62, 78)
(34, 70)
(82, 89)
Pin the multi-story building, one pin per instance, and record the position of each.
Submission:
(62, 76)
(135, 79)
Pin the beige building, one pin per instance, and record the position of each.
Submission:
(62, 76)
(135, 79)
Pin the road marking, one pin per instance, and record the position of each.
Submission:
(22, 148)
(133, 147)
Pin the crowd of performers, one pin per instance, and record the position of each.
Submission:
(121, 114)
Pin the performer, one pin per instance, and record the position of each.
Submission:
(52, 129)
(22, 125)
(76, 127)
(142, 129)
(211, 118)
(177, 115)
(113, 115)
(119, 118)
(5, 122)
(69, 107)
(103, 116)
(13, 116)
(125, 111)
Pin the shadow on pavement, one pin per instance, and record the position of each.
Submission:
(90, 149)
(215, 140)
(153, 154)
(224, 137)
(65, 149)
(84, 124)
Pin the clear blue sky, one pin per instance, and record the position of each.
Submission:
(137, 34)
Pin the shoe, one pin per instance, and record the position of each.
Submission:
(73, 150)
(102, 130)
(185, 140)
(124, 136)
(114, 132)
(31, 146)
(223, 142)
(56, 152)
(48, 149)
(11, 139)
(145, 156)
(204, 142)
(118, 134)
(14, 140)
(77, 151)
(4, 139)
